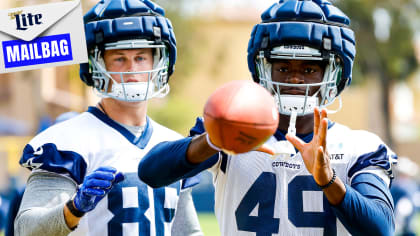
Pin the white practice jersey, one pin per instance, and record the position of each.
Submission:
(256, 194)
(77, 147)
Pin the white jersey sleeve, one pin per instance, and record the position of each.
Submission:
(371, 155)
(61, 148)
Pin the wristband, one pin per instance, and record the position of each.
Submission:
(211, 144)
(73, 209)
(331, 181)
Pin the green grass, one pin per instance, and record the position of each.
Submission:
(209, 224)
(210, 227)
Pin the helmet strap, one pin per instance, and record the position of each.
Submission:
(340, 104)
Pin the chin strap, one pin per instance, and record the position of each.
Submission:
(340, 104)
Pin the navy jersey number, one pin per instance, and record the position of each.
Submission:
(298, 217)
(136, 214)
(263, 193)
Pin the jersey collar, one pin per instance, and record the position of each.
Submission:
(140, 142)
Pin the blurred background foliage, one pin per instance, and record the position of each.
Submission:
(385, 34)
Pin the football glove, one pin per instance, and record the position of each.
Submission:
(95, 186)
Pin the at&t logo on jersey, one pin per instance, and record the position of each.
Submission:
(40, 36)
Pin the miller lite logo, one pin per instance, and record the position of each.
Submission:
(24, 20)
(40, 36)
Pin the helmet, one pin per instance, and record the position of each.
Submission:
(129, 24)
(303, 30)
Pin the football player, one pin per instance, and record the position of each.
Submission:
(84, 179)
(335, 184)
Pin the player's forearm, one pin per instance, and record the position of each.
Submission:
(199, 150)
(41, 210)
(335, 192)
(366, 208)
(186, 220)
(41, 222)
(71, 220)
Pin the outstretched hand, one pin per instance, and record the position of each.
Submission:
(314, 153)
(95, 187)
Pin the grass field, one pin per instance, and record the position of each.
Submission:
(209, 224)
(211, 228)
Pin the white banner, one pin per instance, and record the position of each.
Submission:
(41, 36)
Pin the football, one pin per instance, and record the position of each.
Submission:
(240, 116)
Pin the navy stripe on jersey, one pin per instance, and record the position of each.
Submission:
(140, 142)
(49, 158)
(377, 158)
(223, 165)
(191, 181)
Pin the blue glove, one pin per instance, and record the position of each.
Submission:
(95, 186)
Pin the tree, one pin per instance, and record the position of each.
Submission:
(388, 59)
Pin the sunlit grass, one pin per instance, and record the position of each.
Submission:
(209, 224)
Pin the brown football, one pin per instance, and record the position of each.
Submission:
(240, 116)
